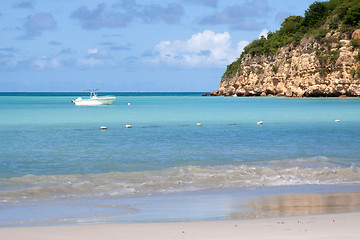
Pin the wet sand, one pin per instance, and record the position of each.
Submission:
(278, 216)
(299, 204)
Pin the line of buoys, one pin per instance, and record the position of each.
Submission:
(197, 124)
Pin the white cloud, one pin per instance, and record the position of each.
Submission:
(90, 62)
(45, 63)
(264, 33)
(241, 45)
(36, 63)
(98, 53)
(95, 58)
(204, 49)
(93, 51)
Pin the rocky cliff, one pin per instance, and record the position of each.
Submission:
(327, 68)
(317, 55)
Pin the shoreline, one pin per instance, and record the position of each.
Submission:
(325, 226)
(207, 94)
(199, 206)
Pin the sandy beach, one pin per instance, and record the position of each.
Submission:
(326, 226)
(278, 216)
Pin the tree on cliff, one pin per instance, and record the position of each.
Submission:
(318, 19)
(315, 55)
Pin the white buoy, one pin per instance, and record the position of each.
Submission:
(259, 123)
(129, 104)
(103, 127)
(128, 126)
(337, 120)
(198, 124)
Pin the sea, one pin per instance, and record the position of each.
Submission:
(185, 158)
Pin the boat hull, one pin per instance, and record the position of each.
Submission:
(95, 101)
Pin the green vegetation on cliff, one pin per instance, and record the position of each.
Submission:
(318, 20)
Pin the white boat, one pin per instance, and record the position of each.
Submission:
(94, 99)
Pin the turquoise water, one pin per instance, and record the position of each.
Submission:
(52, 150)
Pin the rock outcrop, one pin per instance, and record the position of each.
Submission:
(328, 67)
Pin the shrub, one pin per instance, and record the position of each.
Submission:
(259, 71)
(353, 72)
(352, 17)
(315, 14)
(323, 71)
(320, 33)
(355, 43)
(334, 24)
(232, 68)
(357, 57)
(333, 56)
(275, 68)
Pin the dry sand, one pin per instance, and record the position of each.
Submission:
(344, 226)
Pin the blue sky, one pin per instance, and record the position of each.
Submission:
(129, 45)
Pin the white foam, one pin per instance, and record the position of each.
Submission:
(179, 179)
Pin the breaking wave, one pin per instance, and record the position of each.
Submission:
(319, 170)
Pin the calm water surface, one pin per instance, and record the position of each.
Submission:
(52, 150)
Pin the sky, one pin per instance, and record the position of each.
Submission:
(129, 45)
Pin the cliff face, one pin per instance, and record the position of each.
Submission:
(328, 67)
